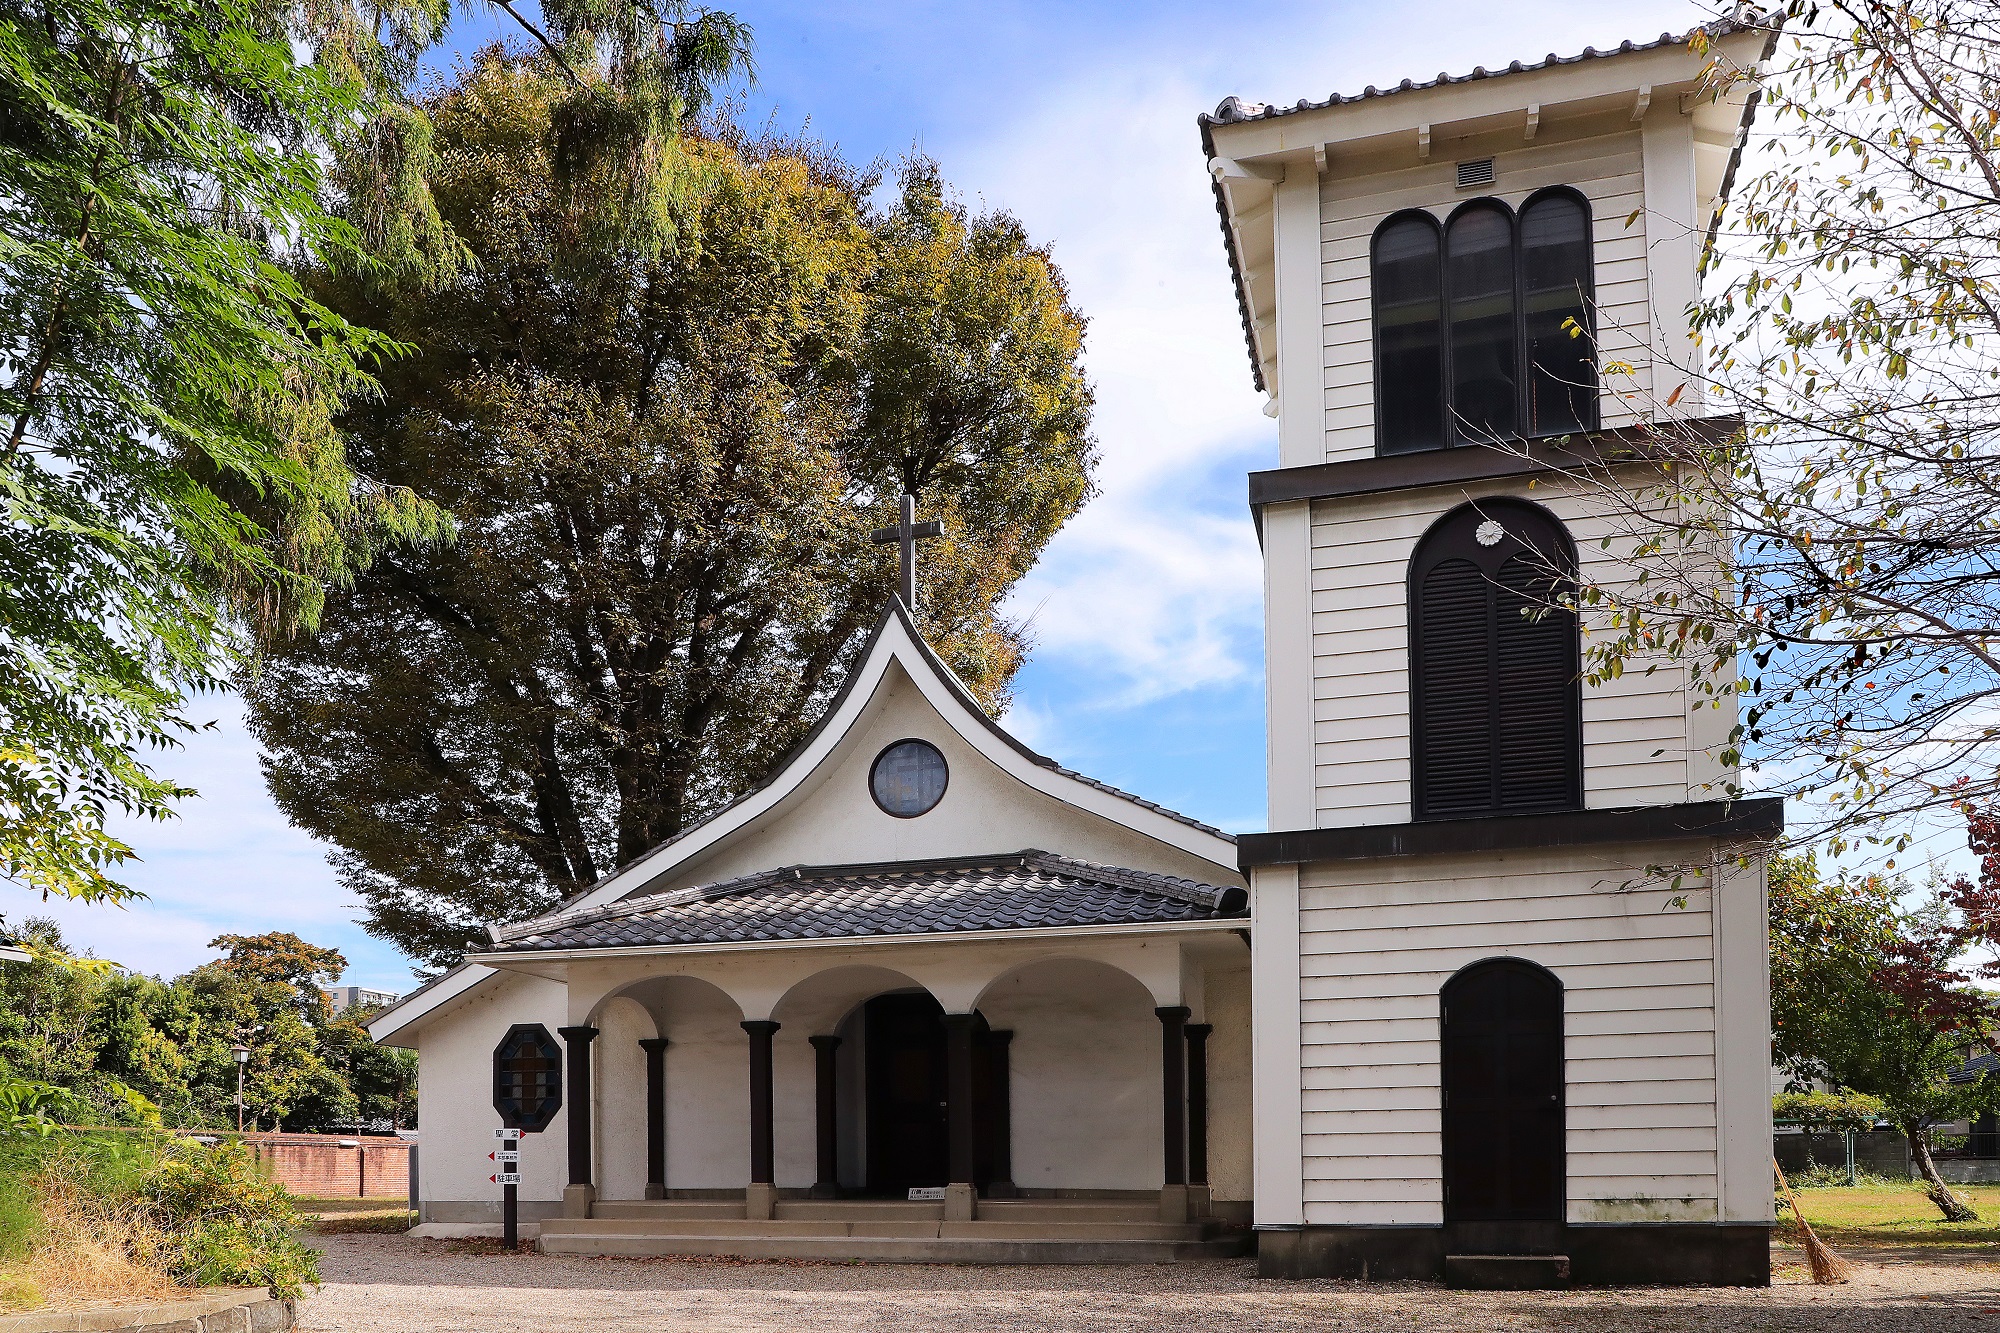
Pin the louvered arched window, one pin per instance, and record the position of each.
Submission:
(1473, 323)
(1494, 666)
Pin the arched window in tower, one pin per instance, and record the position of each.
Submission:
(1479, 287)
(1409, 338)
(1556, 289)
(1472, 336)
(1494, 669)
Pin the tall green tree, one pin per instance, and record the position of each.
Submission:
(1871, 997)
(170, 471)
(153, 355)
(665, 462)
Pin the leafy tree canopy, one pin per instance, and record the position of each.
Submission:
(1870, 997)
(665, 464)
(170, 469)
(1836, 561)
(136, 1049)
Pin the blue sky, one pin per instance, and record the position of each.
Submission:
(1078, 118)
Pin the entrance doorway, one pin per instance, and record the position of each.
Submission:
(906, 1078)
(1504, 1170)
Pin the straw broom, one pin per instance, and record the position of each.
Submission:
(1827, 1267)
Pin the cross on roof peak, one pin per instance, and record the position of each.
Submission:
(905, 534)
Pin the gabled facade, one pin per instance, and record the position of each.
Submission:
(918, 956)
(1485, 1023)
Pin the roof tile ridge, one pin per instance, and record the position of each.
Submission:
(628, 907)
(1158, 883)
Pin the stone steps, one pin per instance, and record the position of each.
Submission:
(559, 1237)
(1506, 1272)
(880, 1228)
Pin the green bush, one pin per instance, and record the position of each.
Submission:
(199, 1214)
(1817, 1177)
(1827, 1112)
(229, 1223)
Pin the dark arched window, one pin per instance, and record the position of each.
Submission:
(1479, 284)
(1494, 669)
(1409, 342)
(1556, 290)
(1471, 340)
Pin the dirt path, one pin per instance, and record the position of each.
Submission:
(391, 1284)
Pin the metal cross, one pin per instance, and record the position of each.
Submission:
(905, 534)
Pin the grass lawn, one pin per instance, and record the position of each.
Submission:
(1894, 1214)
(330, 1216)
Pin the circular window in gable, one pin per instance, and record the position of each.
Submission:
(908, 778)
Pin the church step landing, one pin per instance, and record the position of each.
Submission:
(1506, 1272)
(905, 1250)
(911, 1229)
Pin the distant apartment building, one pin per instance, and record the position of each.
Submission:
(343, 998)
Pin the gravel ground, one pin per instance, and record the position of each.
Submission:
(392, 1284)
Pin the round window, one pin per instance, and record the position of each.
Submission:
(908, 778)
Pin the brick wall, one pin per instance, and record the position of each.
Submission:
(318, 1165)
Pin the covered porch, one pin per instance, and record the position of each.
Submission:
(1001, 1093)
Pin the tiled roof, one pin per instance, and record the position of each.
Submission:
(1019, 891)
(1977, 1068)
(1235, 111)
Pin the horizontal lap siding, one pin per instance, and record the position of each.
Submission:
(1606, 169)
(1379, 939)
(1635, 728)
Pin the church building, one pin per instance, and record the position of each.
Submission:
(926, 995)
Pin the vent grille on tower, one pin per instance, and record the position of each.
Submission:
(1471, 174)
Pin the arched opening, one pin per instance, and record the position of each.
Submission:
(1085, 1074)
(680, 1126)
(1556, 291)
(1479, 290)
(1495, 671)
(1407, 283)
(1503, 1099)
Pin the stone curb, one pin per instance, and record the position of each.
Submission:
(236, 1310)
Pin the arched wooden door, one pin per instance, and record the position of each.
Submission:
(1504, 1175)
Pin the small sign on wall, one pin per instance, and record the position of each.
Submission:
(927, 1194)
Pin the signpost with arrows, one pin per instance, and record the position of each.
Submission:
(527, 1092)
(507, 1174)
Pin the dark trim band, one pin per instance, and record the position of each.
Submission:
(1763, 817)
(1464, 463)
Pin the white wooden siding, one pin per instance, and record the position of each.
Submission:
(1606, 168)
(1636, 731)
(1378, 941)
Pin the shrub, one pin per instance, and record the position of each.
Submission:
(229, 1223)
(130, 1214)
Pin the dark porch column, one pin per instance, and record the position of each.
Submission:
(656, 1115)
(578, 1101)
(958, 1095)
(762, 1153)
(1197, 1102)
(826, 1111)
(1002, 1184)
(1173, 1090)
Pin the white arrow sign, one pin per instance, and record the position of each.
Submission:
(503, 1156)
(506, 1133)
(506, 1178)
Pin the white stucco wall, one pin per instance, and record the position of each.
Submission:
(455, 1104)
(1085, 1059)
(1085, 1075)
(1227, 1008)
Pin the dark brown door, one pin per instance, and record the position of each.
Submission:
(1503, 1103)
(906, 1093)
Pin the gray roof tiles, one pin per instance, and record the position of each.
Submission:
(1018, 891)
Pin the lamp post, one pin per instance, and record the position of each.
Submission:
(242, 1054)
